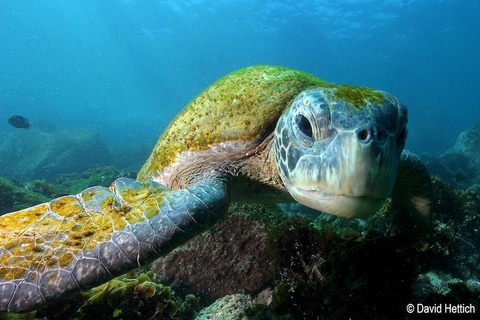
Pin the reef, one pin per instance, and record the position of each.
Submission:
(468, 143)
(132, 296)
(261, 262)
(321, 263)
(460, 165)
(231, 307)
(17, 195)
(72, 183)
(14, 197)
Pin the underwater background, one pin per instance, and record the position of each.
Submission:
(100, 80)
(124, 68)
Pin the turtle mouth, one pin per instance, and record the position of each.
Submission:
(346, 206)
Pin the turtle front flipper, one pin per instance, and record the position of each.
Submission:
(76, 242)
(412, 197)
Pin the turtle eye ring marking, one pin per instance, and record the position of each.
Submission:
(305, 126)
(303, 130)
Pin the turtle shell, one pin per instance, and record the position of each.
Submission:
(242, 107)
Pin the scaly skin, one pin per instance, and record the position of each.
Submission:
(76, 242)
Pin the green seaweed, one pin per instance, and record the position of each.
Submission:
(44, 188)
(132, 296)
(19, 196)
(321, 263)
(270, 214)
(13, 197)
(319, 269)
(73, 183)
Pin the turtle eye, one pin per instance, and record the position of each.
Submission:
(303, 130)
(305, 126)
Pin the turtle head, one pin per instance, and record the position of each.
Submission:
(337, 148)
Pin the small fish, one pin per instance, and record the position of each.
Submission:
(19, 122)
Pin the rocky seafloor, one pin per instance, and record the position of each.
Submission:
(286, 262)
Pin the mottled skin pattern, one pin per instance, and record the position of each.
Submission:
(222, 147)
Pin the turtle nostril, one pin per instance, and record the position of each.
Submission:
(371, 133)
(364, 135)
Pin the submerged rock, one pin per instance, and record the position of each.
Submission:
(441, 288)
(231, 307)
(454, 167)
(41, 154)
(460, 165)
(468, 143)
(230, 258)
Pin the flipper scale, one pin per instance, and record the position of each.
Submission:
(76, 242)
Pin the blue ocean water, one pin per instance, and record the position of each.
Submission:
(124, 68)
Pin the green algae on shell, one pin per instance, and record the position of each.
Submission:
(356, 96)
(242, 106)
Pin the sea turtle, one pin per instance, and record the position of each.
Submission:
(261, 134)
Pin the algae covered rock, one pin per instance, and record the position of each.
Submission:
(231, 307)
(460, 165)
(232, 257)
(42, 154)
(72, 183)
(454, 167)
(132, 296)
(13, 198)
(468, 143)
(433, 288)
(19, 195)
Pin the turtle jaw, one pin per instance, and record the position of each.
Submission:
(348, 178)
(339, 205)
